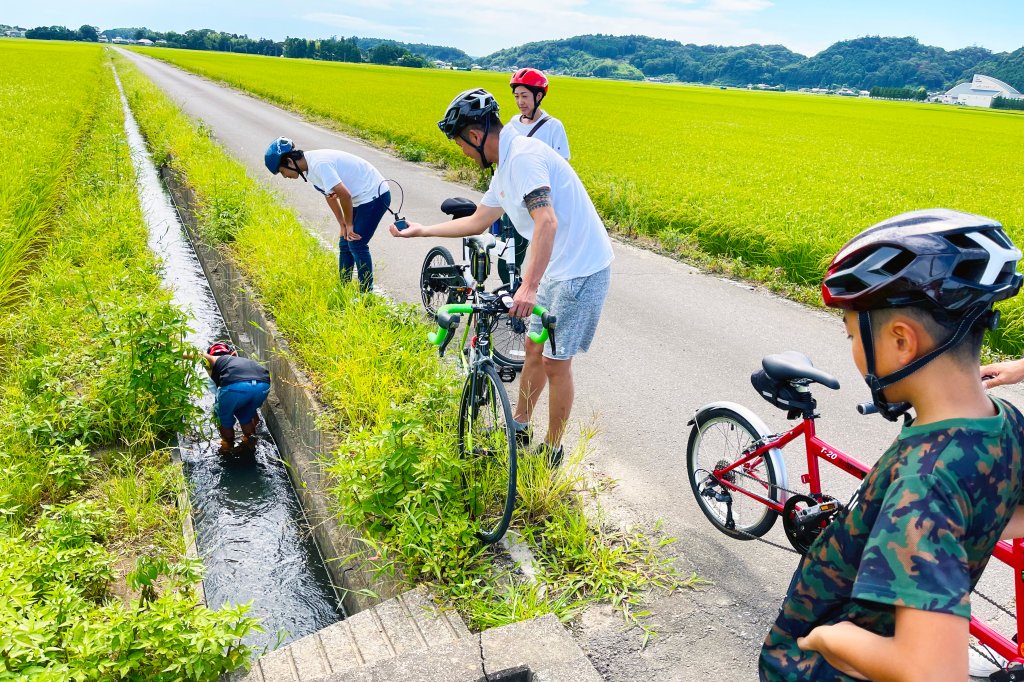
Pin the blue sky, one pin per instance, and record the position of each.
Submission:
(805, 26)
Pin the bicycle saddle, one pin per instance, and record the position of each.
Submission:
(482, 242)
(791, 365)
(458, 207)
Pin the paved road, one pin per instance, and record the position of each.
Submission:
(671, 339)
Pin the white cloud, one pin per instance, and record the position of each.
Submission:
(482, 29)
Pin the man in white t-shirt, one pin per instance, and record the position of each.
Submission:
(529, 87)
(356, 193)
(568, 266)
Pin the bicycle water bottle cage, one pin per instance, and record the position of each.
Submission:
(458, 207)
(480, 256)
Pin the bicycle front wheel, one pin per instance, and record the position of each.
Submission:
(718, 438)
(439, 280)
(508, 340)
(487, 446)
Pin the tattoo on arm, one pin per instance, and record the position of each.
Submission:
(538, 198)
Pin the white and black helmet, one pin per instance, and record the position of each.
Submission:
(937, 258)
(955, 265)
(468, 107)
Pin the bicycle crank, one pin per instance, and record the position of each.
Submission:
(803, 519)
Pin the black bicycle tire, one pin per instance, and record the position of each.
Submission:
(430, 303)
(725, 414)
(500, 349)
(489, 374)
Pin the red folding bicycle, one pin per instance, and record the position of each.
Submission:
(739, 478)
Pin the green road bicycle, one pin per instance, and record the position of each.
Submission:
(487, 435)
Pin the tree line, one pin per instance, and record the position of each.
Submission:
(327, 49)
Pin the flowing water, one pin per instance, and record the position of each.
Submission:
(250, 529)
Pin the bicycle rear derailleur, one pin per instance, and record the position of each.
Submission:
(1015, 673)
(803, 518)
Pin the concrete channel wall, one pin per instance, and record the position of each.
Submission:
(291, 415)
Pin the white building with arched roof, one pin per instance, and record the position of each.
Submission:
(980, 92)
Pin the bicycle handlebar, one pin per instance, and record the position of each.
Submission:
(867, 408)
(448, 319)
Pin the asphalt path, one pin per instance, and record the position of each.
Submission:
(671, 339)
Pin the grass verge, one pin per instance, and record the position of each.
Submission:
(393, 406)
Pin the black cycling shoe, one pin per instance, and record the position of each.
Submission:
(524, 435)
(553, 456)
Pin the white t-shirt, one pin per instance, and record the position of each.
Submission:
(328, 167)
(582, 246)
(551, 133)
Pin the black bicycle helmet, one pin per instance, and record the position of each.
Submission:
(936, 258)
(953, 264)
(468, 107)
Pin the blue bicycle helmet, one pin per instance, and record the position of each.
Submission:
(275, 151)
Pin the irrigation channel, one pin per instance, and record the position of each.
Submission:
(250, 529)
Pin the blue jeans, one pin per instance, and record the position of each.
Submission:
(240, 401)
(356, 254)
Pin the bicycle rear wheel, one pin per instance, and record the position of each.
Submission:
(718, 438)
(439, 280)
(487, 445)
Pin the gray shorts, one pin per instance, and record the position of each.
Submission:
(577, 304)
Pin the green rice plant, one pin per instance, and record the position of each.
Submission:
(91, 376)
(774, 181)
(392, 406)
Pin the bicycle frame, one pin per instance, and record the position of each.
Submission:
(816, 449)
(1010, 553)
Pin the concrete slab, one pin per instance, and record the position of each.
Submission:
(430, 619)
(309, 657)
(369, 637)
(340, 648)
(278, 666)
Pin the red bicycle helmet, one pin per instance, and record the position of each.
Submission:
(534, 79)
(936, 258)
(219, 348)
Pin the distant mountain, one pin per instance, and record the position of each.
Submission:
(447, 54)
(861, 63)
(637, 57)
(884, 62)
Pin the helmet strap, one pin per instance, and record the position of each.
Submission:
(293, 165)
(892, 411)
(537, 97)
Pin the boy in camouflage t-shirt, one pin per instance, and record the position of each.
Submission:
(884, 593)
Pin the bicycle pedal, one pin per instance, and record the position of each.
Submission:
(507, 374)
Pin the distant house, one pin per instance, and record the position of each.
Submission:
(161, 42)
(145, 41)
(103, 39)
(118, 40)
(14, 34)
(979, 92)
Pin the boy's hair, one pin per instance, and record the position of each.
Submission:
(940, 329)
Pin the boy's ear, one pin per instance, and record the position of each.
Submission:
(905, 338)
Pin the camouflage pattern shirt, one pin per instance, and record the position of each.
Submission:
(918, 533)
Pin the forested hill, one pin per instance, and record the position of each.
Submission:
(860, 63)
(442, 52)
